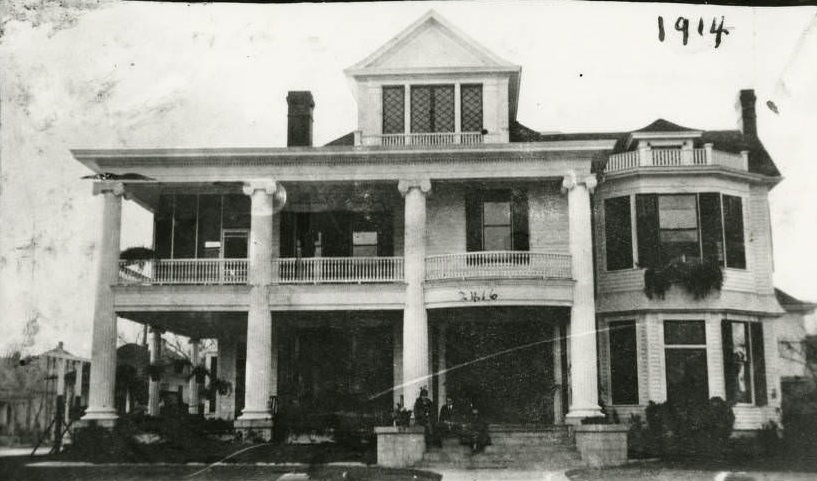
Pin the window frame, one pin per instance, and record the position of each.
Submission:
(756, 361)
(463, 88)
(432, 110)
(611, 328)
(384, 107)
(475, 220)
(678, 347)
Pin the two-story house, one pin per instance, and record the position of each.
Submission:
(443, 244)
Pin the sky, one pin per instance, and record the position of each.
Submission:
(105, 74)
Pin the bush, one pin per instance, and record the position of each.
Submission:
(696, 277)
(697, 429)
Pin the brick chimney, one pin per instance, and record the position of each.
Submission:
(748, 117)
(299, 118)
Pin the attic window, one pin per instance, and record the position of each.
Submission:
(394, 108)
(432, 108)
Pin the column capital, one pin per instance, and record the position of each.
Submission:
(109, 187)
(270, 187)
(407, 184)
(571, 181)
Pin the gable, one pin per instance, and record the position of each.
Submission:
(430, 43)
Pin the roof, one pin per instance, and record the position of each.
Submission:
(348, 139)
(662, 125)
(792, 304)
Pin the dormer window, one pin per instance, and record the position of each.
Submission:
(432, 108)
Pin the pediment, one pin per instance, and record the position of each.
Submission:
(431, 43)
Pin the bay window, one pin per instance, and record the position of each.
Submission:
(706, 226)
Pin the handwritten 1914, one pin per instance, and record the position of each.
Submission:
(682, 26)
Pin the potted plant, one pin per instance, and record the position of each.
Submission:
(218, 386)
(200, 373)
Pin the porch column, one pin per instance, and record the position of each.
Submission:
(193, 383)
(155, 356)
(261, 377)
(583, 355)
(101, 407)
(415, 320)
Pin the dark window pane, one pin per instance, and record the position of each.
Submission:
(163, 220)
(421, 109)
(684, 332)
(473, 222)
(236, 245)
(443, 111)
(236, 211)
(184, 231)
(209, 241)
(733, 226)
(687, 378)
(618, 233)
(519, 220)
(623, 363)
(394, 109)
(711, 227)
(471, 106)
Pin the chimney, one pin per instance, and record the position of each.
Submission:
(299, 118)
(748, 118)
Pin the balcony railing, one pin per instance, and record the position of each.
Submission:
(184, 271)
(675, 158)
(437, 138)
(498, 264)
(328, 270)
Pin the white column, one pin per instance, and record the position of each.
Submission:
(442, 392)
(584, 358)
(261, 375)
(155, 356)
(193, 384)
(415, 321)
(101, 406)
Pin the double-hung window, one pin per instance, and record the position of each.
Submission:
(497, 220)
(685, 355)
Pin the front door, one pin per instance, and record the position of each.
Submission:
(504, 368)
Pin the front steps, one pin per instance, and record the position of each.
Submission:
(542, 448)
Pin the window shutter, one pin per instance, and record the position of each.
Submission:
(287, 248)
(649, 243)
(728, 360)
(618, 233)
(733, 225)
(759, 363)
(711, 228)
(473, 222)
(519, 213)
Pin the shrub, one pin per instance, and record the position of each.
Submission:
(697, 429)
(696, 277)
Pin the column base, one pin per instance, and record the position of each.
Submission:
(253, 430)
(104, 417)
(575, 415)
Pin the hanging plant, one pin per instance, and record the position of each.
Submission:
(696, 277)
(133, 255)
(155, 371)
(218, 386)
(200, 373)
(180, 364)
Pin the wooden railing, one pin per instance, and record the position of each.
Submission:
(498, 264)
(184, 271)
(674, 158)
(435, 138)
(351, 270)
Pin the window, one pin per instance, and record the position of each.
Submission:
(394, 110)
(623, 362)
(364, 244)
(432, 108)
(685, 354)
(618, 233)
(706, 226)
(743, 361)
(497, 220)
(471, 108)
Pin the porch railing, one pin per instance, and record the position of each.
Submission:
(327, 270)
(184, 271)
(435, 138)
(501, 264)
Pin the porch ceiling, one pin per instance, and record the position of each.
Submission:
(202, 325)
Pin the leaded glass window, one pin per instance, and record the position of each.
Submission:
(471, 105)
(394, 110)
